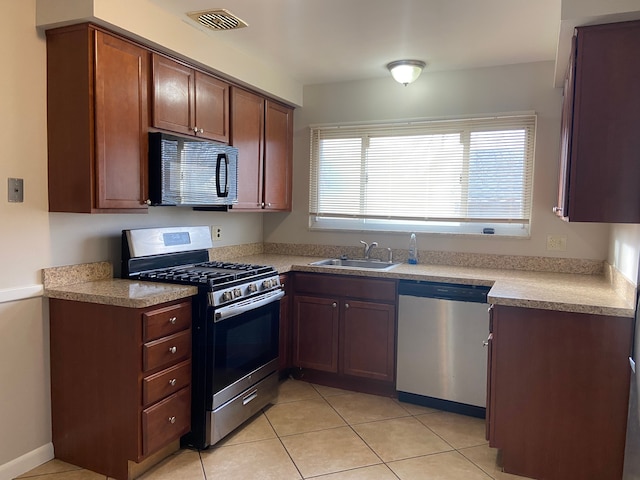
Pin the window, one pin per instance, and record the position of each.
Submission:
(449, 176)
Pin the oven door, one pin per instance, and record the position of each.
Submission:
(245, 345)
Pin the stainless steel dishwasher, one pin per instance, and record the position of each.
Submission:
(441, 359)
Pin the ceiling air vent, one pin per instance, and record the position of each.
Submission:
(218, 19)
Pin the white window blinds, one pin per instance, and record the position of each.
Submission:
(454, 176)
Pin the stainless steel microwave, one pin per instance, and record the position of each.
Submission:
(191, 172)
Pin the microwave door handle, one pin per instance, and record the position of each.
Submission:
(225, 192)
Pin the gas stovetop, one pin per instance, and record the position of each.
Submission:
(181, 255)
(213, 275)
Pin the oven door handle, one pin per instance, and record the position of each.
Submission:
(239, 308)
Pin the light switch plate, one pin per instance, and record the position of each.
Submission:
(16, 190)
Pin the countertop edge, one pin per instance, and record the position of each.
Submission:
(591, 294)
(122, 293)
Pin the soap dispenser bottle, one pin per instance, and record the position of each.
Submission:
(413, 250)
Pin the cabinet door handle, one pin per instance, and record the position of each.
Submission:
(334, 304)
(557, 210)
(346, 305)
(486, 342)
(172, 382)
(147, 201)
(173, 320)
(173, 349)
(195, 129)
(172, 420)
(200, 130)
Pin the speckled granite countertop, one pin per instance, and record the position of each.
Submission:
(94, 283)
(549, 291)
(123, 293)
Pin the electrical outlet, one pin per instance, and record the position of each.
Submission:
(557, 242)
(216, 233)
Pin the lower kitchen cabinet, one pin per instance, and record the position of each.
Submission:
(284, 364)
(558, 392)
(344, 331)
(120, 382)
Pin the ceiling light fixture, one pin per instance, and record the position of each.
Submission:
(406, 71)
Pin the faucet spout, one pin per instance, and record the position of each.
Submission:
(368, 248)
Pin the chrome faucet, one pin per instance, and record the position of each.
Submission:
(368, 248)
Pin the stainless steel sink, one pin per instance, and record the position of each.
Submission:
(356, 263)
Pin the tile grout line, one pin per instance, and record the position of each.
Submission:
(282, 443)
(356, 433)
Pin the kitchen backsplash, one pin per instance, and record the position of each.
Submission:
(480, 260)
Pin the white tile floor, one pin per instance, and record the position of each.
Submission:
(329, 434)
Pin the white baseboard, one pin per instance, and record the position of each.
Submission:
(26, 462)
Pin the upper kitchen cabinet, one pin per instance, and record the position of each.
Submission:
(262, 130)
(600, 159)
(97, 121)
(188, 101)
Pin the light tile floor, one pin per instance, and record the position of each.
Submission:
(328, 434)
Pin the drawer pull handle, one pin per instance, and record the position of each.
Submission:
(172, 382)
(173, 349)
(172, 420)
(252, 396)
(173, 320)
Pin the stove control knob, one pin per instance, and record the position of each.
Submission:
(226, 296)
(252, 288)
(237, 292)
(267, 283)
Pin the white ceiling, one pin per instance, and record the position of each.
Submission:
(322, 41)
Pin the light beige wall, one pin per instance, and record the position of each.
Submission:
(32, 239)
(144, 20)
(25, 231)
(24, 241)
(485, 91)
(24, 374)
(624, 250)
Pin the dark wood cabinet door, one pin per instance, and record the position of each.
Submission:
(211, 107)
(566, 130)
(315, 333)
(173, 96)
(285, 326)
(247, 135)
(97, 121)
(121, 123)
(560, 392)
(489, 424)
(367, 347)
(604, 160)
(278, 156)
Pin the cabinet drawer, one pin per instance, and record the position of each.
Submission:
(166, 321)
(165, 383)
(166, 421)
(343, 286)
(166, 351)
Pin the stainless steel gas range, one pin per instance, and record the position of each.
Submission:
(236, 316)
